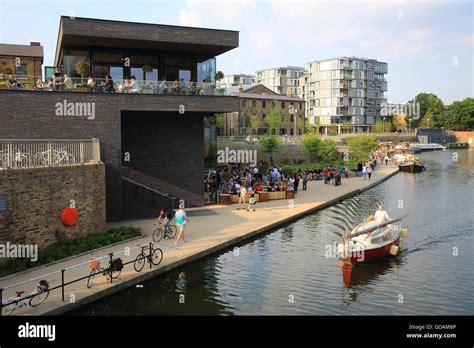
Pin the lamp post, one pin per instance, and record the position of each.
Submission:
(428, 122)
(383, 124)
(409, 125)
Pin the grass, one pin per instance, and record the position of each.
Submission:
(69, 247)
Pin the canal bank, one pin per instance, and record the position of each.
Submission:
(210, 229)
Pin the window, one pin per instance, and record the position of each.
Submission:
(264, 104)
(244, 103)
(254, 103)
(282, 105)
(21, 70)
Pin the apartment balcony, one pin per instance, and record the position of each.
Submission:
(96, 85)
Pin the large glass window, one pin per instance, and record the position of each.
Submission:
(137, 72)
(116, 72)
(206, 71)
(70, 63)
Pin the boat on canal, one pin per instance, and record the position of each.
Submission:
(369, 241)
(417, 148)
(406, 161)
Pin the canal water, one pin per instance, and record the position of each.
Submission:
(288, 271)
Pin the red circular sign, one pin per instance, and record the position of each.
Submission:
(69, 216)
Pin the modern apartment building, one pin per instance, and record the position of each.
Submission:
(236, 80)
(281, 80)
(258, 101)
(343, 95)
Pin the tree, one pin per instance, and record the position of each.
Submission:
(220, 121)
(303, 125)
(431, 107)
(219, 76)
(361, 146)
(311, 145)
(82, 66)
(378, 126)
(461, 115)
(270, 144)
(329, 152)
(274, 119)
(254, 122)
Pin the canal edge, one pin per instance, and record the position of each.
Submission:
(121, 285)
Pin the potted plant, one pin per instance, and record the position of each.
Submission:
(82, 66)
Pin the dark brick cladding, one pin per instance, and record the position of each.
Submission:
(31, 115)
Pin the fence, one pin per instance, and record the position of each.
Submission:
(13, 301)
(30, 153)
(99, 85)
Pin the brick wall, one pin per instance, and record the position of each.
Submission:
(464, 137)
(33, 68)
(31, 115)
(35, 198)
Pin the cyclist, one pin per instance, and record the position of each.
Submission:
(163, 220)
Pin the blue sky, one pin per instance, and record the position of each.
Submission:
(428, 45)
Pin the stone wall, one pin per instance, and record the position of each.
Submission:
(36, 197)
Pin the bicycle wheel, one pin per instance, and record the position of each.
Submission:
(71, 159)
(157, 235)
(139, 262)
(8, 309)
(91, 277)
(172, 230)
(40, 294)
(115, 273)
(156, 256)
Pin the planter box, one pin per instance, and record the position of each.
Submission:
(282, 195)
(225, 199)
(234, 198)
(273, 195)
(290, 194)
(263, 197)
(81, 89)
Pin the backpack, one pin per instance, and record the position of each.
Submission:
(117, 265)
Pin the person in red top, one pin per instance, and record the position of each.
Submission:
(258, 187)
(335, 174)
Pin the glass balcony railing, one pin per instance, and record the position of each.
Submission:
(95, 85)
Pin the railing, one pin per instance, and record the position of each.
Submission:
(30, 153)
(99, 85)
(63, 283)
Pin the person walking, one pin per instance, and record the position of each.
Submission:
(305, 181)
(369, 171)
(359, 169)
(242, 196)
(252, 200)
(181, 221)
(386, 160)
(339, 175)
(364, 171)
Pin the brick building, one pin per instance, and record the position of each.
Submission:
(23, 61)
(259, 101)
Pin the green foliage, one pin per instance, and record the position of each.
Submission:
(220, 121)
(69, 247)
(361, 146)
(270, 144)
(329, 152)
(431, 107)
(311, 144)
(254, 122)
(82, 67)
(461, 115)
(219, 75)
(274, 118)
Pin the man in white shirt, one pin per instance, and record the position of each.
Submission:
(381, 215)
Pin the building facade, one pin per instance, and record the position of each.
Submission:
(156, 142)
(22, 61)
(255, 104)
(345, 94)
(281, 80)
(243, 81)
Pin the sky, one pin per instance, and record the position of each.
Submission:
(428, 45)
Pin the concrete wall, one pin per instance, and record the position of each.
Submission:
(31, 115)
(35, 198)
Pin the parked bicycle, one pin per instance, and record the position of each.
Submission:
(150, 254)
(112, 271)
(168, 231)
(38, 296)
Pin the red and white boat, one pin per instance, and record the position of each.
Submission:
(370, 241)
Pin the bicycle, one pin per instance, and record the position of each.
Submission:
(169, 231)
(38, 296)
(154, 256)
(112, 271)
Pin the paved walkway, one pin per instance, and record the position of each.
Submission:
(210, 229)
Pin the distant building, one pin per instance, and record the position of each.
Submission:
(259, 101)
(22, 61)
(281, 80)
(237, 81)
(345, 94)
